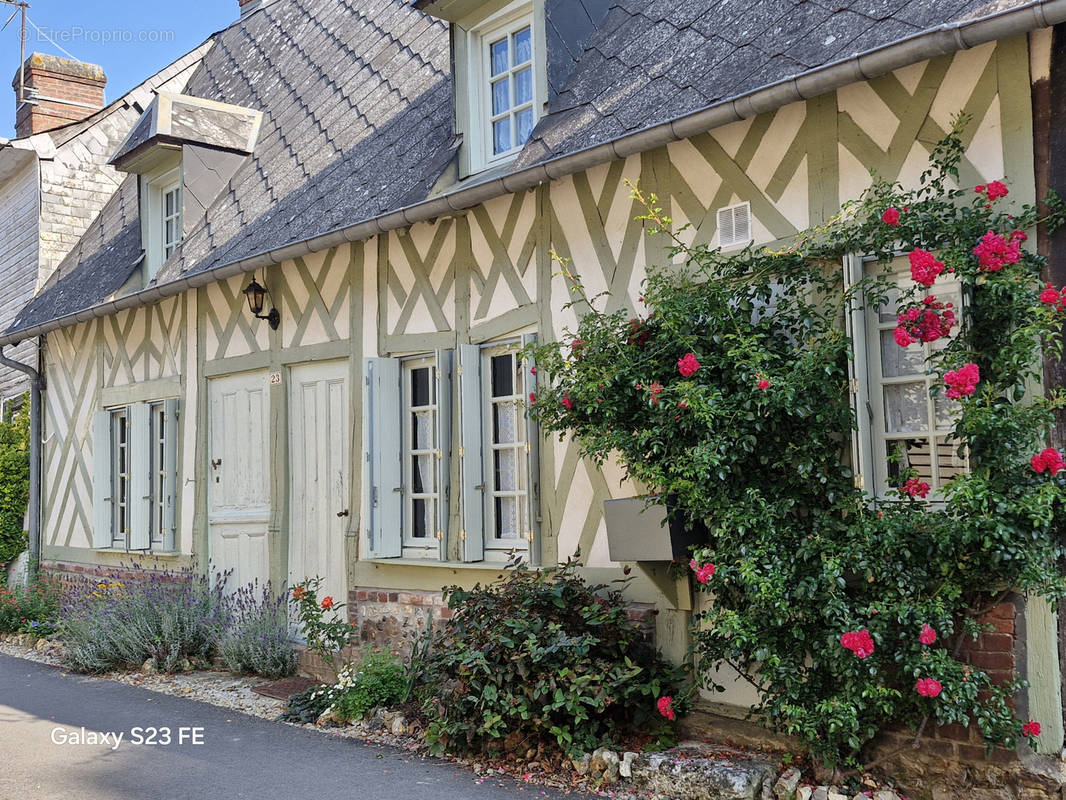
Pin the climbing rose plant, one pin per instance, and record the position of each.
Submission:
(728, 393)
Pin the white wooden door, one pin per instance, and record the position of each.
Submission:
(238, 494)
(318, 456)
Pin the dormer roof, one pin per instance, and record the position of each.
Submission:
(173, 120)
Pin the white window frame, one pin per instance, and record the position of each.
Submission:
(11, 405)
(873, 440)
(120, 478)
(429, 545)
(473, 36)
(154, 188)
(135, 511)
(171, 232)
(519, 448)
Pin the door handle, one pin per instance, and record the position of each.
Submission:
(342, 513)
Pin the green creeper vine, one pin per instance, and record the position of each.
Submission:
(729, 395)
(14, 486)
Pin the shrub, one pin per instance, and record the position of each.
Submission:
(256, 637)
(29, 609)
(378, 679)
(731, 396)
(308, 705)
(14, 486)
(543, 657)
(168, 616)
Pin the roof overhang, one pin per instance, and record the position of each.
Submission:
(457, 10)
(173, 120)
(13, 159)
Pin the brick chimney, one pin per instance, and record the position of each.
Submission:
(58, 91)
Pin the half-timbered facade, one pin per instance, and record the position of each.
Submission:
(378, 437)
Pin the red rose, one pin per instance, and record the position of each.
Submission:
(566, 401)
(763, 384)
(1050, 460)
(996, 190)
(915, 488)
(1031, 728)
(927, 636)
(666, 707)
(1050, 296)
(891, 216)
(927, 687)
(962, 382)
(687, 365)
(327, 603)
(924, 267)
(859, 642)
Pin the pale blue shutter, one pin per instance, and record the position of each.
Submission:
(532, 460)
(102, 496)
(859, 380)
(384, 477)
(140, 481)
(444, 445)
(170, 474)
(471, 455)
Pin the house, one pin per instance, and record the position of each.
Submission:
(54, 180)
(287, 343)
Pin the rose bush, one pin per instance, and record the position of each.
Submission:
(729, 393)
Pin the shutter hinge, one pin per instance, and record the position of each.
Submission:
(440, 536)
(854, 385)
(459, 370)
(462, 452)
(528, 449)
(860, 481)
(529, 535)
(462, 535)
(438, 454)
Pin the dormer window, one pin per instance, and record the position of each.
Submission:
(509, 55)
(500, 76)
(184, 150)
(172, 234)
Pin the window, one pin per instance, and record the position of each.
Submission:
(500, 82)
(506, 512)
(162, 217)
(11, 406)
(422, 497)
(171, 219)
(410, 462)
(134, 476)
(510, 87)
(907, 418)
(120, 479)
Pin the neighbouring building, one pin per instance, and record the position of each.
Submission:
(54, 178)
(387, 183)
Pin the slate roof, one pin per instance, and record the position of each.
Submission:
(357, 99)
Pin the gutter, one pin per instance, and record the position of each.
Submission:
(34, 507)
(938, 41)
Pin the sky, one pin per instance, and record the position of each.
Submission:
(130, 39)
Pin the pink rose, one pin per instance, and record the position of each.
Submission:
(687, 365)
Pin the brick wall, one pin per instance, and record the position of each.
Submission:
(951, 761)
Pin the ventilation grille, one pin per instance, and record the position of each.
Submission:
(734, 225)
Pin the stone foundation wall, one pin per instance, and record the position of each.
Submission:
(395, 619)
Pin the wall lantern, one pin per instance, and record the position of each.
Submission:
(256, 295)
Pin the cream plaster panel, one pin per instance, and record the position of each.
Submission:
(962, 76)
(910, 76)
(368, 264)
(986, 148)
(732, 136)
(865, 106)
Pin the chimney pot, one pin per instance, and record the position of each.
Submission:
(58, 91)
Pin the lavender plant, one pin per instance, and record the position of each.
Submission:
(255, 638)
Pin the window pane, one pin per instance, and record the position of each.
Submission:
(501, 100)
(947, 411)
(503, 376)
(912, 456)
(898, 361)
(420, 380)
(504, 423)
(948, 459)
(506, 471)
(422, 522)
(498, 56)
(169, 197)
(506, 518)
(422, 430)
(422, 474)
(523, 47)
(906, 408)
(890, 310)
(501, 136)
(523, 87)
(524, 120)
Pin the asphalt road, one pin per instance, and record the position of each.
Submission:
(241, 756)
